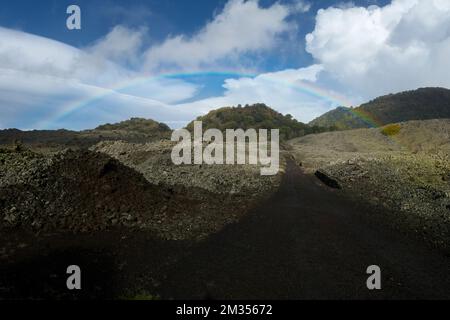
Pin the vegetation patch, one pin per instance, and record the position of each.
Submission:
(257, 116)
(136, 125)
(391, 130)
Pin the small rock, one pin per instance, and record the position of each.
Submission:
(327, 180)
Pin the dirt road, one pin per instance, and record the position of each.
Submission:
(308, 242)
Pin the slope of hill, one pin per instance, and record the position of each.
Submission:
(133, 130)
(139, 125)
(257, 116)
(341, 118)
(414, 137)
(420, 104)
(404, 171)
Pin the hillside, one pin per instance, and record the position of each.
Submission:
(402, 168)
(341, 118)
(420, 104)
(139, 125)
(257, 116)
(133, 130)
(414, 137)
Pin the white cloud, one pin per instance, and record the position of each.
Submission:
(33, 101)
(34, 54)
(121, 45)
(242, 27)
(41, 79)
(163, 89)
(291, 76)
(302, 6)
(378, 50)
(24, 51)
(287, 91)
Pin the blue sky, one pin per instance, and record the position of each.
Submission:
(174, 60)
(46, 18)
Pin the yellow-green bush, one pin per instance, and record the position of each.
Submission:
(391, 130)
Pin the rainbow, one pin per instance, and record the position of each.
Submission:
(67, 109)
(366, 117)
(303, 87)
(373, 122)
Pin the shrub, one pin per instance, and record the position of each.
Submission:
(391, 130)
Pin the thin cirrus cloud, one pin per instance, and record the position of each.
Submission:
(360, 52)
(47, 84)
(31, 100)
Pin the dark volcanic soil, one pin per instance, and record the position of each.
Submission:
(309, 242)
(81, 191)
(306, 242)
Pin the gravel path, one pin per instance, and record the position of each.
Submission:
(308, 242)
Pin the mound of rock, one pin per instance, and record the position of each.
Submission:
(86, 191)
(154, 161)
(79, 191)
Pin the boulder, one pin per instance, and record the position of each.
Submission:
(327, 179)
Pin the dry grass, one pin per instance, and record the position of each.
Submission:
(404, 168)
(431, 137)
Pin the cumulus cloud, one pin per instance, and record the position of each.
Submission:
(287, 91)
(378, 50)
(242, 27)
(121, 45)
